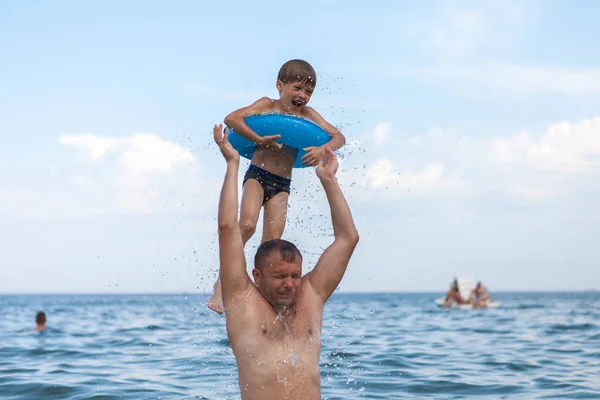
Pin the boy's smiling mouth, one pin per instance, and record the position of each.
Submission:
(297, 103)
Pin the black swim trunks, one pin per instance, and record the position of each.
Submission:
(271, 183)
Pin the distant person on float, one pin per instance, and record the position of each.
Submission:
(479, 296)
(453, 296)
(40, 320)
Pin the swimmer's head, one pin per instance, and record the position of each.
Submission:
(40, 318)
(296, 82)
(454, 285)
(278, 272)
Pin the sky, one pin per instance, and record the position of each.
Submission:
(473, 139)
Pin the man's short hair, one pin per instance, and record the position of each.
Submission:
(40, 318)
(298, 71)
(286, 250)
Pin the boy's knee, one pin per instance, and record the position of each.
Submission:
(247, 226)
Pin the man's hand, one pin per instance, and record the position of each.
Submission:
(270, 142)
(328, 166)
(221, 138)
(314, 155)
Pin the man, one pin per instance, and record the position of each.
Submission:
(274, 325)
(40, 321)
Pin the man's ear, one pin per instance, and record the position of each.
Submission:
(256, 276)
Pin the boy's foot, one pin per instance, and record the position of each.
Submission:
(216, 302)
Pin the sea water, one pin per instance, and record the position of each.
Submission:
(375, 346)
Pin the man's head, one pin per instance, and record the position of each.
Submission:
(40, 318)
(296, 82)
(278, 272)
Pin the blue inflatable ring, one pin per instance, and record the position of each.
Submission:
(295, 132)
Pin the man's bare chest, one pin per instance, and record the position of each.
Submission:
(279, 336)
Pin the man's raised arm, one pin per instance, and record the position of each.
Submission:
(232, 272)
(332, 264)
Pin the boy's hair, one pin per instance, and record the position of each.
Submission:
(297, 71)
(286, 250)
(40, 318)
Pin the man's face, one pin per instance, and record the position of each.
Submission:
(278, 281)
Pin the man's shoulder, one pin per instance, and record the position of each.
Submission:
(247, 304)
(307, 294)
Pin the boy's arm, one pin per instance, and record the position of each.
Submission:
(316, 153)
(332, 264)
(232, 271)
(236, 121)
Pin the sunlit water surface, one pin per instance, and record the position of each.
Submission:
(375, 346)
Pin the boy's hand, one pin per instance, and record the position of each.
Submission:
(269, 141)
(221, 138)
(327, 166)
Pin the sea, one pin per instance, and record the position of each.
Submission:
(375, 346)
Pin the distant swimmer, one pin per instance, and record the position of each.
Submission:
(453, 296)
(274, 324)
(267, 182)
(40, 320)
(479, 296)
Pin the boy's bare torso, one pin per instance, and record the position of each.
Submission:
(277, 161)
(277, 355)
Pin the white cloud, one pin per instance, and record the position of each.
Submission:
(381, 132)
(529, 166)
(138, 154)
(383, 174)
(94, 146)
(138, 174)
(564, 148)
(433, 133)
(129, 174)
(368, 165)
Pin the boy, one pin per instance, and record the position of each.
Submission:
(267, 181)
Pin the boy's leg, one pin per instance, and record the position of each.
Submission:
(252, 198)
(275, 216)
(252, 201)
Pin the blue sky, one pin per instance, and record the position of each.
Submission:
(473, 135)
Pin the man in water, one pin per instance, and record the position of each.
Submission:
(40, 320)
(274, 325)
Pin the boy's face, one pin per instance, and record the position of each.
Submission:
(295, 95)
